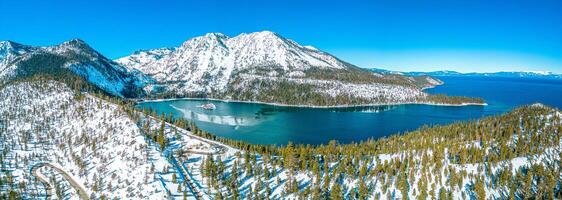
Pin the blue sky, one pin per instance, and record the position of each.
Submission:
(398, 35)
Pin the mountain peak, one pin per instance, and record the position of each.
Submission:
(263, 34)
(209, 39)
(8, 48)
(266, 33)
(4, 45)
(75, 42)
(216, 35)
(76, 46)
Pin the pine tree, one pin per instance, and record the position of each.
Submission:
(218, 196)
(267, 191)
(363, 190)
(479, 189)
(161, 138)
(442, 193)
(316, 193)
(336, 192)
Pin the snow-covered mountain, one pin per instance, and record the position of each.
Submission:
(248, 66)
(10, 52)
(74, 56)
(207, 62)
(261, 66)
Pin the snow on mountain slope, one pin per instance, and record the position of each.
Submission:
(142, 58)
(9, 52)
(92, 140)
(213, 64)
(216, 56)
(19, 60)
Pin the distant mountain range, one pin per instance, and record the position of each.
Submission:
(258, 67)
(529, 74)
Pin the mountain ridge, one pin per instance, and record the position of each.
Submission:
(257, 67)
(214, 51)
(73, 57)
(266, 67)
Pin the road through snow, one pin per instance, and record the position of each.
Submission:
(35, 172)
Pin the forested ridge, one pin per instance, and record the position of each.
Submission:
(290, 93)
(310, 90)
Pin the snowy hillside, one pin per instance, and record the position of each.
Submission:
(71, 145)
(9, 52)
(263, 66)
(75, 57)
(46, 127)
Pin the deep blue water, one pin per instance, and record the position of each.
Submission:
(266, 124)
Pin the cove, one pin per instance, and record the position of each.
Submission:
(268, 124)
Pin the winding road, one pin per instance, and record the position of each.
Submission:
(35, 172)
(183, 171)
(49, 189)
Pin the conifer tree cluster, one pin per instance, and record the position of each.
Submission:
(422, 154)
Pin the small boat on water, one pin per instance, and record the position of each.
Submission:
(208, 106)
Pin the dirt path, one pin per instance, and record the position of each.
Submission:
(222, 148)
(81, 191)
(188, 182)
(183, 172)
(49, 189)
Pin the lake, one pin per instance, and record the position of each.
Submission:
(267, 124)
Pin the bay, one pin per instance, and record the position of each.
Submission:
(268, 124)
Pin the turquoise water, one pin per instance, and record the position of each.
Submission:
(266, 124)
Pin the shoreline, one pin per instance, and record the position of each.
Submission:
(306, 106)
(137, 101)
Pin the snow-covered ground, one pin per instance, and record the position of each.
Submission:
(382, 186)
(106, 152)
(91, 139)
(433, 182)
